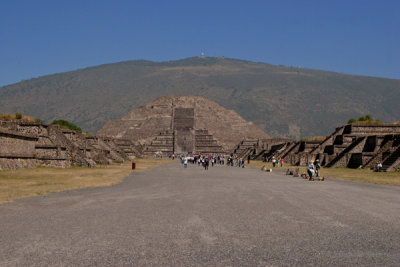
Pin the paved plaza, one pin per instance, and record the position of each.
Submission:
(226, 216)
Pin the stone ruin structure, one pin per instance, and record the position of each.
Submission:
(182, 124)
(260, 148)
(351, 145)
(362, 146)
(26, 144)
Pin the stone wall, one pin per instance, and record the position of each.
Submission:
(17, 150)
(27, 145)
(356, 129)
(353, 146)
(17, 145)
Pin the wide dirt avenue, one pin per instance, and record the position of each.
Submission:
(226, 216)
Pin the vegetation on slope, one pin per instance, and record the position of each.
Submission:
(66, 125)
(367, 119)
(283, 101)
(19, 116)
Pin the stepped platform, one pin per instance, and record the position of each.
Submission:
(192, 120)
(352, 146)
(205, 143)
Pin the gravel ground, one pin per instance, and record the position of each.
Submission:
(226, 216)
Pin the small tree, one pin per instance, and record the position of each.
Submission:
(18, 115)
(361, 119)
(368, 117)
(352, 120)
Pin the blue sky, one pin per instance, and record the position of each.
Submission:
(353, 36)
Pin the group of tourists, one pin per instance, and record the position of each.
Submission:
(276, 162)
(206, 160)
(313, 168)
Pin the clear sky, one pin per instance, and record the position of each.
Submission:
(39, 37)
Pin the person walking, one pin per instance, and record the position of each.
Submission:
(206, 163)
(185, 162)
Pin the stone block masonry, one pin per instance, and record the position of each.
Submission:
(17, 150)
(27, 145)
(353, 146)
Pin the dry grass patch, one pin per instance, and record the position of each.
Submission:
(355, 175)
(17, 116)
(315, 139)
(33, 182)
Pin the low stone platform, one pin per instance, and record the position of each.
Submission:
(27, 145)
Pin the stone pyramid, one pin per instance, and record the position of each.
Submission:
(181, 124)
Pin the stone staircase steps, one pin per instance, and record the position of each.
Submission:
(392, 161)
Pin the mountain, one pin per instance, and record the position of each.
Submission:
(283, 101)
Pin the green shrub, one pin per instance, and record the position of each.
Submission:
(66, 125)
(352, 120)
(18, 116)
(367, 119)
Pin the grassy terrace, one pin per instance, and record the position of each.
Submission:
(355, 175)
(33, 182)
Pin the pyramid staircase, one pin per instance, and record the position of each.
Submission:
(162, 144)
(245, 148)
(343, 158)
(382, 152)
(205, 143)
(393, 161)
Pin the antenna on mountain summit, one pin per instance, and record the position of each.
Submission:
(202, 54)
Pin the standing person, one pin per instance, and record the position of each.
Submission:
(273, 161)
(185, 162)
(378, 166)
(206, 163)
(248, 159)
(310, 171)
(282, 161)
(317, 167)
